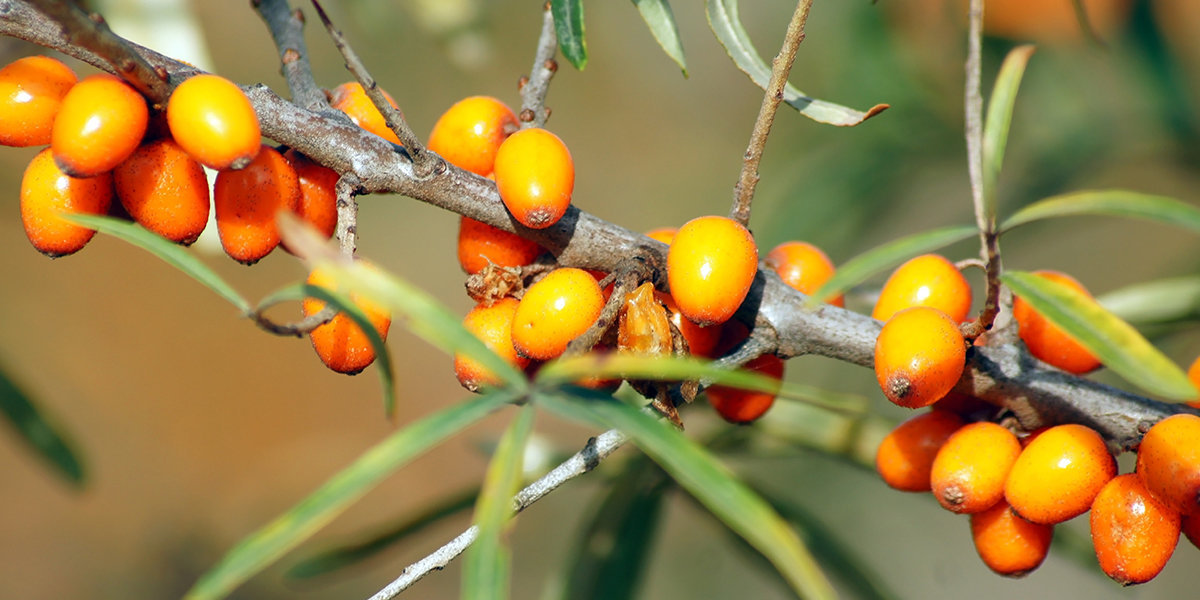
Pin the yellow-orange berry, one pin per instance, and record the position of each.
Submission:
(1059, 473)
(969, 471)
(47, 193)
(470, 132)
(99, 124)
(663, 234)
(804, 267)
(341, 343)
(318, 193)
(493, 325)
(164, 190)
(919, 356)
(1193, 374)
(480, 244)
(1046, 340)
(535, 176)
(701, 341)
(927, 280)
(710, 265)
(1008, 544)
(744, 406)
(350, 98)
(904, 458)
(31, 90)
(1168, 461)
(212, 120)
(555, 310)
(246, 201)
(1133, 533)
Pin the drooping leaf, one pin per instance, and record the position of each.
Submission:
(568, 25)
(725, 23)
(661, 20)
(1116, 343)
(1115, 203)
(999, 117)
(1163, 301)
(41, 434)
(263, 547)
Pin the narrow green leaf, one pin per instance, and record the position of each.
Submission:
(1164, 301)
(867, 264)
(1116, 203)
(718, 489)
(661, 20)
(1117, 344)
(725, 23)
(487, 562)
(42, 435)
(265, 546)
(170, 252)
(999, 116)
(568, 25)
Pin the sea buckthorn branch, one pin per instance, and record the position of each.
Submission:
(287, 30)
(534, 87)
(348, 187)
(297, 329)
(630, 273)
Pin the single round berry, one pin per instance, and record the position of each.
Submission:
(100, 123)
(919, 356)
(1168, 461)
(164, 190)
(350, 98)
(555, 310)
(904, 458)
(31, 90)
(710, 265)
(1133, 533)
(480, 244)
(318, 193)
(246, 201)
(341, 343)
(745, 406)
(927, 280)
(212, 119)
(804, 267)
(663, 234)
(470, 132)
(1047, 341)
(1059, 473)
(1008, 544)
(493, 325)
(969, 471)
(535, 176)
(47, 193)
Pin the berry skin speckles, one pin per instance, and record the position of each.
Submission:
(555, 310)
(246, 201)
(47, 193)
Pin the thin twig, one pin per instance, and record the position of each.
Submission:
(743, 191)
(299, 328)
(534, 87)
(287, 29)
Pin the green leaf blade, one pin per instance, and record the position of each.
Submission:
(383, 357)
(41, 434)
(1164, 301)
(568, 25)
(661, 20)
(1114, 203)
(996, 124)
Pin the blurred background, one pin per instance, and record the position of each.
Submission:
(196, 428)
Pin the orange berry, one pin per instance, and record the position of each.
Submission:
(1059, 473)
(31, 90)
(803, 267)
(493, 325)
(743, 406)
(702, 341)
(1047, 341)
(341, 343)
(710, 265)
(480, 244)
(1008, 544)
(969, 471)
(535, 176)
(164, 190)
(1133, 533)
(318, 193)
(100, 123)
(927, 280)
(47, 193)
(663, 234)
(246, 201)
(643, 327)
(468, 134)
(1193, 374)
(351, 99)
(1168, 461)
(212, 119)
(919, 356)
(905, 457)
(555, 310)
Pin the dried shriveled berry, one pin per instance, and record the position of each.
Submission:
(1046, 340)
(919, 356)
(480, 244)
(904, 458)
(246, 201)
(493, 325)
(212, 119)
(1059, 473)
(1008, 544)
(1133, 533)
(804, 267)
(535, 176)
(969, 471)
(927, 280)
(470, 132)
(341, 343)
(164, 190)
(31, 90)
(47, 193)
(643, 327)
(710, 265)
(555, 310)
(1168, 461)
(100, 123)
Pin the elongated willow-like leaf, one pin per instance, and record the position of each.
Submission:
(265, 546)
(661, 20)
(725, 23)
(875, 260)
(41, 434)
(487, 562)
(1113, 203)
(170, 252)
(999, 117)
(1116, 343)
(568, 25)
(695, 469)
(1163, 301)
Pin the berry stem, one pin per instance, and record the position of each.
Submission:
(296, 329)
(287, 30)
(534, 88)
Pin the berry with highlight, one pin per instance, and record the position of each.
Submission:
(31, 91)
(47, 194)
(470, 132)
(970, 469)
(555, 310)
(919, 356)
(100, 123)
(212, 119)
(927, 280)
(535, 176)
(1047, 341)
(710, 265)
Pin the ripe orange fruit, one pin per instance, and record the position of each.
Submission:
(47, 193)
(555, 310)
(31, 90)
(340, 343)
(99, 124)
(212, 119)
(164, 190)
(969, 472)
(470, 132)
(480, 244)
(919, 356)
(318, 193)
(744, 406)
(701, 341)
(351, 99)
(493, 325)
(1168, 461)
(535, 176)
(246, 201)
(904, 458)
(1193, 374)
(927, 280)
(1047, 341)
(804, 267)
(1008, 544)
(662, 234)
(1133, 533)
(1059, 473)
(710, 265)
